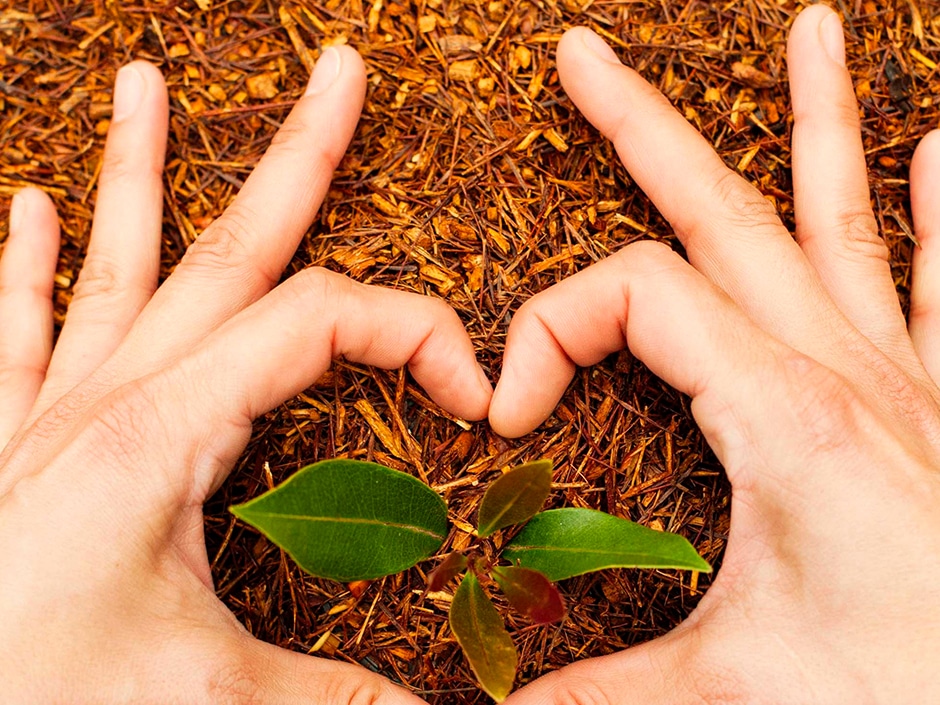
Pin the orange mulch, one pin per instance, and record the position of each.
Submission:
(471, 178)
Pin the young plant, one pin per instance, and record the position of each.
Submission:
(349, 520)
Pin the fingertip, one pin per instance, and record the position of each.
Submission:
(507, 424)
(287, 677)
(137, 85)
(925, 187)
(352, 61)
(341, 71)
(585, 43)
(353, 75)
(449, 379)
(150, 73)
(926, 160)
(816, 34)
(525, 398)
(580, 51)
(32, 212)
(479, 408)
(811, 17)
(808, 28)
(36, 197)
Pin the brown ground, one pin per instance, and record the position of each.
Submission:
(474, 179)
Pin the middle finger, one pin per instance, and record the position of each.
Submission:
(241, 255)
(731, 232)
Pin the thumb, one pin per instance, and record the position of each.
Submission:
(283, 677)
(650, 674)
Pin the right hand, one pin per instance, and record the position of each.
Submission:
(820, 403)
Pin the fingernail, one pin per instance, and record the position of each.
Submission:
(17, 212)
(325, 72)
(599, 47)
(128, 91)
(832, 39)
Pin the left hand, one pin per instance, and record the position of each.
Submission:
(148, 400)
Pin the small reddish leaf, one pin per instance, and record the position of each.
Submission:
(515, 497)
(483, 637)
(446, 571)
(530, 592)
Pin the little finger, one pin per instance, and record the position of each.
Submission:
(925, 288)
(27, 271)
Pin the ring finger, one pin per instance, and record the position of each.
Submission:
(27, 268)
(121, 268)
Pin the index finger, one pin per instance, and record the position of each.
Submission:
(282, 344)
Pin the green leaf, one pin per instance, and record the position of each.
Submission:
(530, 592)
(446, 571)
(349, 520)
(515, 497)
(483, 637)
(562, 543)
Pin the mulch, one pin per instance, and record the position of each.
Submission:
(471, 178)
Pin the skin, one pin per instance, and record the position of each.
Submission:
(815, 394)
(817, 397)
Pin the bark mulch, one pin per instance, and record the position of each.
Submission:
(471, 178)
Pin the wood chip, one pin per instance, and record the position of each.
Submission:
(262, 86)
(751, 76)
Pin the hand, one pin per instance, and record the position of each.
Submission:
(147, 401)
(820, 402)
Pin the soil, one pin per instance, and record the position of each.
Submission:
(471, 178)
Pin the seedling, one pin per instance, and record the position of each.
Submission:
(349, 520)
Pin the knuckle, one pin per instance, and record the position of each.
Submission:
(644, 250)
(565, 688)
(922, 313)
(829, 410)
(122, 423)
(294, 137)
(121, 166)
(743, 206)
(720, 687)
(100, 278)
(814, 117)
(532, 310)
(233, 683)
(858, 234)
(647, 258)
(358, 690)
(321, 284)
(440, 311)
(226, 248)
(14, 375)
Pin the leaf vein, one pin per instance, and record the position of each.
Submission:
(348, 520)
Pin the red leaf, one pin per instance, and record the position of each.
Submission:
(515, 497)
(531, 593)
(446, 571)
